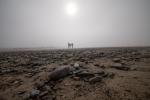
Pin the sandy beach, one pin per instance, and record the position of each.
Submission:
(94, 74)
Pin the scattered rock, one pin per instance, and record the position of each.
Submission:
(47, 88)
(133, 69)
(16, 82)
(78, 85)
(28, 75)
(40, 83)
(111, 75)
(116, 59)
(77, 71)
(96, 65)
(116, 65)
(7, 71)
(123, 62)
(34, 92)
(43, 93)
(76, 65)
(84, 74)
(99, 73)
(128, 90)
(102, 66)
(36, 71)
(95, 79)
(76, 78)
(104, 75)
(20, 92)
(119, 66)
(26, 96)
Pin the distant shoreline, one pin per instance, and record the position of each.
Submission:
(51, 48)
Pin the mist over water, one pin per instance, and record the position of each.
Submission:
(89, 23)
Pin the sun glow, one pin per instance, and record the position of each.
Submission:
(71, 9)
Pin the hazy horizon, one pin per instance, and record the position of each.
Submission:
(86, 23)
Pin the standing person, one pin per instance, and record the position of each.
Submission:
(68, 44)
(72, 45)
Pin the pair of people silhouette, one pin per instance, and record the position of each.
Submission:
(70, 45)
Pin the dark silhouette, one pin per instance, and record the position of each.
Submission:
(70, 45)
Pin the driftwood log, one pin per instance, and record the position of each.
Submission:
(60, 72)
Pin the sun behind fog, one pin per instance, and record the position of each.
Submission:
(71, 8)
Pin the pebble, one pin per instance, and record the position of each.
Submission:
(20, 92)
(47, 87)
(34, 92)
(116, 59)
(116, 65)
(119, 66)
(96, 65)
(76, 78)
(111, 75)
(28, 75)
(85, 74)
(16, 82)
(95, 79)
(26, 96)
(43, 93)
(76, 65)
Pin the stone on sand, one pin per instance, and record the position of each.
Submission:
(95, 79)
(119, 66)
(116, 59)
(34, 92)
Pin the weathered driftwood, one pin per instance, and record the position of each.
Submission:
(61, 72)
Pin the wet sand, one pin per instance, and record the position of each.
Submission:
(98, 74)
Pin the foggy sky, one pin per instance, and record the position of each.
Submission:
(97, 23)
